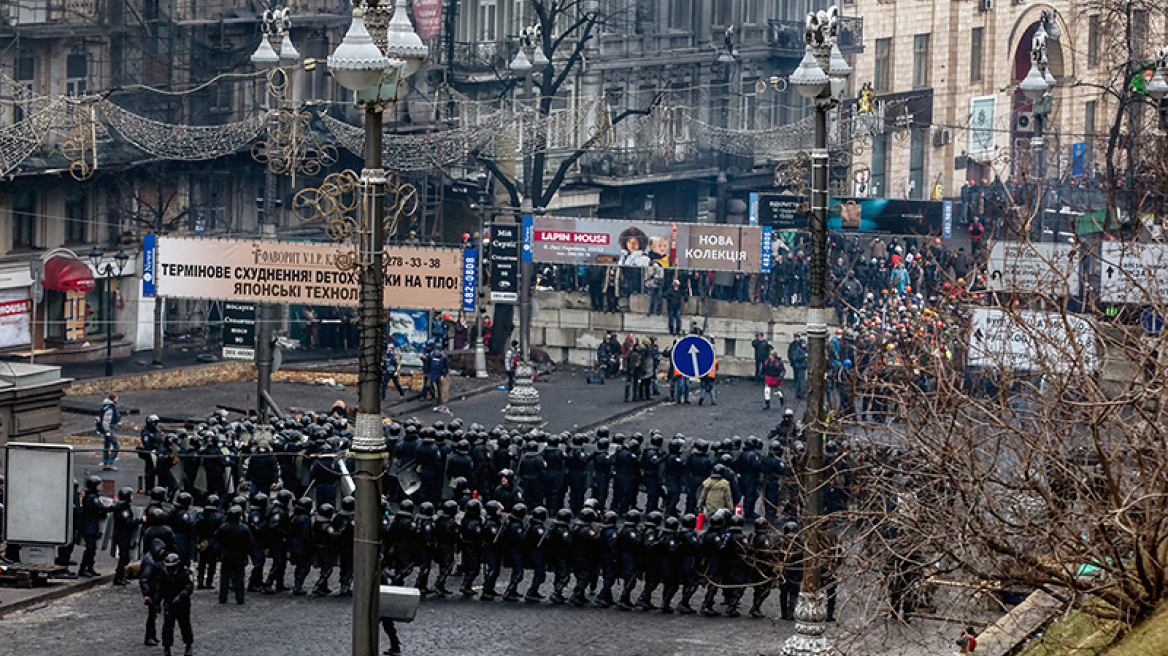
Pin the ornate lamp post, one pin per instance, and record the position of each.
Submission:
(1037, 88)
(822, 77)
(375, 75)
(109, 271)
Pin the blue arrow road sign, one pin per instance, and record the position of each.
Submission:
(693, 356)
(1151, 320)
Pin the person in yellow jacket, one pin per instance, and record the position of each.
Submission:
(708, 385)
(716, 493)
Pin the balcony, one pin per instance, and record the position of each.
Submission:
(487, 57)
(786, 38)
(625, 166)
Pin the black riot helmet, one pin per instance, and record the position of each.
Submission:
(602, 432)
(152, 421)
(588, 516)
(449, 508)
(654, 518)
(676, 445)
(426, 509)
(633, 517)
(235, 514)
(304, 505)
(172, 563)
(348, 505)
(474, 508)
(155, 516)
(92, 484)
(126, 494)
(494, 508)
(656, 441)
(406, 509)
(563, 517)
(539, 515)
(672, 524)
(184, 500)
(610, 518)
(720, 519)
(689, 521)
(326, 510)
(284, 497)
(260, 501)
(519, 511)
(213, 501)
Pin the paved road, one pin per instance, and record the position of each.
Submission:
(110, 621)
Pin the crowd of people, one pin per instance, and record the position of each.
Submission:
(594, 515)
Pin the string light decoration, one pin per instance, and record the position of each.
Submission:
(181, 142)
(81, 147)
(419, 152)
(291, 146)
(335, 204)
(21, 139)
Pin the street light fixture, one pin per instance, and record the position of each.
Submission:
(360, 65)
(825, 88)
(108, 271)
(1158, 87)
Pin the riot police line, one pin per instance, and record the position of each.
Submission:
(462, 501)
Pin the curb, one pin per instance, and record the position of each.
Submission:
(624, 414)
(476, 391)
(55, 594)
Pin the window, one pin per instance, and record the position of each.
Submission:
(488, 12)
(75, 217)
(1088, 128)
(916, 164)
(921, 60)
(24, 70)
(879, 164)
(23, 220)
(680, 12)
(722, 10)
(749, 105)
(751, 11)
(883, 73)
(76, 74)
(975, 37)
(1139, 31)
(1093, 32)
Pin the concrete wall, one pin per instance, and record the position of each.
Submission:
(570, 331)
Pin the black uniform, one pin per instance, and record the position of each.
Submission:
(749, 468)
(235, 545)
(472, 550)
(533, 558)
(609, 564)
(257, 521)
(674, 482)
(324, 548)
(446, 543)
(552, 479)
(688, 550)
(424, 551)
(492, 554)
(279, 526)
(713, 549)
(624, 489)
(513, 541)
(577, 477)
(208, 521)
(343, 525)
(651, 477)
(672, 569)
(125, 524)
(531, 469)
(430, 471)
(653, 554)
(147, 583)
(300, 548)
(183, 523)
(174, 589)
(559, 558)
(602, 464)
(585, 561)
(698, 467)
(93, 511)
(629, 558)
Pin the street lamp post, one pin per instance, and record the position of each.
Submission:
(360, 65)
(522, 65)
(276, 26)
(1157, 88)
(822, 77)
(1037, 87)
(484, 184)
(109, 271)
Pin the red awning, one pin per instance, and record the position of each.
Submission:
(67, 274)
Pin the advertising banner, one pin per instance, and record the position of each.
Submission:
(239, 331)
(303, 273)
(779, 211)
(703, 247)
(149, 264)
(470, 278)
(408, 330)
(14, 305)
(428, 18)
(505, 242)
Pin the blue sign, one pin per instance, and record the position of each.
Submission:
(528, 236)
(693, 356)
(1152, 322)
(753, 208)
(947, 220)
(1078, 151)
(470, 278)
(766, 249)
(149, 264)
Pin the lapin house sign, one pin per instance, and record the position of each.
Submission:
(697, 246)
(303, 273)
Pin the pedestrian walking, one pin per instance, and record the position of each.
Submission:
(707, 385)
(773, 373)
(174, 590)
(391, 370)
(107, 421)
(511, 363)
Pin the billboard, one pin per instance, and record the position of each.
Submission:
(779, 211)
(1034, 268)
(428, 18)
(14, 315)
(408, 330)
(505, 262)
(1029, 340)
(239, 331)
(1133, 273)
(699, 246)
(40, 494)
(302, 273)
